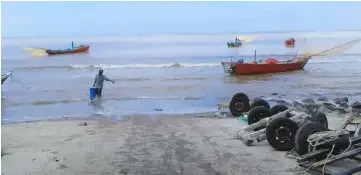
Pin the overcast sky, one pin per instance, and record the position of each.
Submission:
(131, 18)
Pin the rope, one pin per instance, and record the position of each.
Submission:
(291, 154)
(328, 156)
(314, 140)
(18, 81)
(22, 84)
(320, 138)
(300, 171)
(323, 137)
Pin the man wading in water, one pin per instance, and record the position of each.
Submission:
(98, 82)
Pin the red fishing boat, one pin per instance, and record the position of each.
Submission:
(81, 48)
(73, 49)
(290, 42)
(272, 65)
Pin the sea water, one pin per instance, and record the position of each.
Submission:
(174, 73)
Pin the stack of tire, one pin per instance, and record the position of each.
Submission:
(281, 131)
(258, 109)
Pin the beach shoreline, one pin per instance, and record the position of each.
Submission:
(137, 144)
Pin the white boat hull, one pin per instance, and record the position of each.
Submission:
(227, 66)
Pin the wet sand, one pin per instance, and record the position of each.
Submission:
(143, 144)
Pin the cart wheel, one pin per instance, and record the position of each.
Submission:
(356, 105)
(239, 105)
(279, 108)
(260, 102)
(280, 133)
(301, 144)
(257, 98)
(256, 114)
(319, 117)
(242, 95)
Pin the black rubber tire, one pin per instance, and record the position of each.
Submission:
(257, 98)
(301, 144)
(238, 106)
(272, 129)
(256, 114)
(356, 105)
(260, 102)
(243, 95)
(319, 117)
(279, 108)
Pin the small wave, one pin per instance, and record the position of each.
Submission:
(44, 67)
(126, 66)
(155, 78)
(54, 102)
(162, 79)
(165, 98)
(50, 102)
(184, 78)
(167, 65)
(43, 102)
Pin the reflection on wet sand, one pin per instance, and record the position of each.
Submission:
(263, 77)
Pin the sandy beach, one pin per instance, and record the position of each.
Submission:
(177, 144)
(166, 83)
(149, 140)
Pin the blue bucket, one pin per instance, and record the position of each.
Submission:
(93, 93)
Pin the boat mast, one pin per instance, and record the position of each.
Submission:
(255, 56)
(297, 51)
(300, 47)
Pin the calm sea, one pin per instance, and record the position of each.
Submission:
(166, 74)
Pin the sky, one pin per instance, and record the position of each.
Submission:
(29, 19)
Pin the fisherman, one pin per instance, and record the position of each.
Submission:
(98, 82)
(72, 44)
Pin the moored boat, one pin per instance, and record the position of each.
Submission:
(272, 65)
(290, 42)
(237, 42)
(234, 44)
(81, 48)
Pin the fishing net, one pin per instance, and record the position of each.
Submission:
(35, 52)
(247, 40)
(333, 51)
